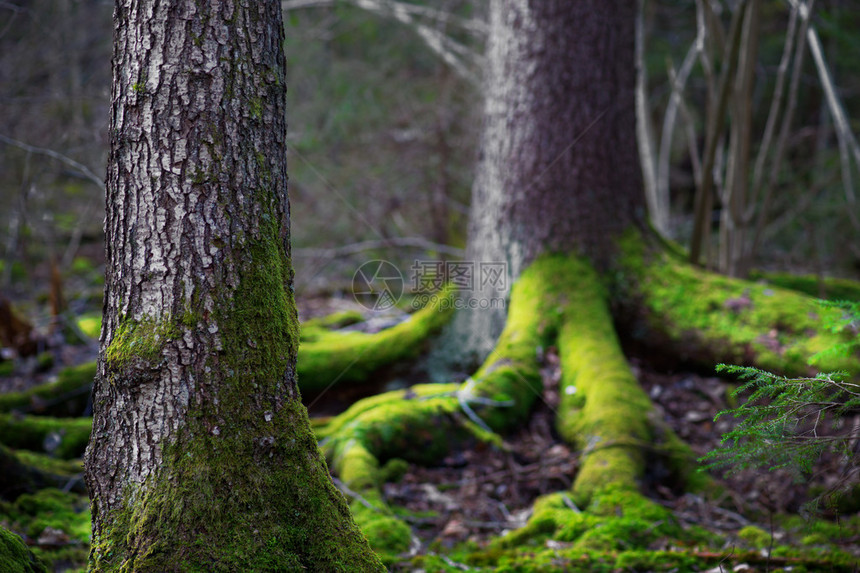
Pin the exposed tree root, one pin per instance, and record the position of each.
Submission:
(15, 557)
(328, 357)
(603, 413)
(66, 396)
(27, 473)
(64, 438)
(558, 300)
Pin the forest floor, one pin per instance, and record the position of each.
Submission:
(477, 494)
(480, 493)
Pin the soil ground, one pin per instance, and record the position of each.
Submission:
(481, 492)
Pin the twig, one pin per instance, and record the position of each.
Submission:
(79, 167)
(451, 563)
(644, 129)
(847, 141)
(353, 494)
(791, 105)
(569, 503)
(465, 396)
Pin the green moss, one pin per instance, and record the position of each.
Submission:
(616, 519)
(51, 465)
(137, 344)
(44, 361)
(69, 380)
(74, 377)
(66, 514)
(335, 320)
(388, 536)
(15, 557)
(256, 107)
(67, 436)
(281, 512)
(90, 324)
(327, 357)
(721, 319)
(817, 287)
(394, 470)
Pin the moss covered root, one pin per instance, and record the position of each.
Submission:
(708, 318)
(604, 412)
(15, 557)
(64, 438)
(58, 521)
(424, 422)
(329, 356)
(65, 396)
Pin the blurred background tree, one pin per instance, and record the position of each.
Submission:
(384, 100)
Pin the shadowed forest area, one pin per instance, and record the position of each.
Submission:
(520, 239)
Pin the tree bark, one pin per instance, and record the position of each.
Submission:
(559, 169)
(201, 456)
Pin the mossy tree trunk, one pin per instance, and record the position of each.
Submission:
(558, 198)
(559, 169)
(201, 456)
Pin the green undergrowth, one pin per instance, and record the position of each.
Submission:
(623, 531)
(713, 318)
(57, 522)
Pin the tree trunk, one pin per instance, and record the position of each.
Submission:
(558, 200)
(559, 168)
(201, 456)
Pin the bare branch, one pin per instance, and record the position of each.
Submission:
(678, 81)
(704, 198)
(773, 113)
(645, 131)
(791, 105)
(847, 141)
(453, 53)
(66, 160)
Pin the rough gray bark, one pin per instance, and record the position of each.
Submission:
(559, 169)
(201, 456)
